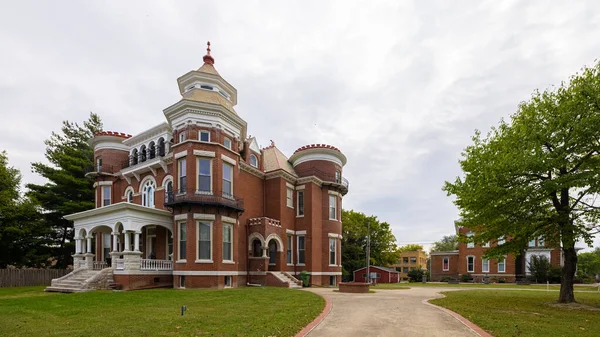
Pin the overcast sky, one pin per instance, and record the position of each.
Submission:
(398, 86)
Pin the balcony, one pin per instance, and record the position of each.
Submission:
(96, 170)
(327, 178)
(216, 198)
(131, 168)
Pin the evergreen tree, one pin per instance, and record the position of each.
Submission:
(67, 190)
(23, 236)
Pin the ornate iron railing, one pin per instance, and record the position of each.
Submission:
(100, 169)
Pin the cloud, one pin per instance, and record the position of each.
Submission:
(400, 87)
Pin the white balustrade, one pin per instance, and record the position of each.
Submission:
(150, 264)
(99, 265)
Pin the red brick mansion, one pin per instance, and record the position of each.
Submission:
(195, 202)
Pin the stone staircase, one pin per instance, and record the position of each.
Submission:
(285, 277)
(81, 280)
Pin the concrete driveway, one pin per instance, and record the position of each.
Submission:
(387, 313)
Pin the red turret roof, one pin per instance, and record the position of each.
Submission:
(318, 146)
(111, 133)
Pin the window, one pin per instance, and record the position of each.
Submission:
(300, 201)
(405, 270)
(301, 249)
(204, 175)
(540, 242)
(502, 266)
(130, 196)
(470, 264)
(106, 246)
(206, 87)
(227, 143)
(485, 266)
(253, 160)
(204, 136)
(182, 167)
(405, 260)
(501, 240)
(204, 241)
(413, 260)
(256, 248)
(289, 257)
(227, 281)
(338, 177)
(182, 247)
(182, 137)
(532, 243)
(181, 281)
(227, 242)
(105, 195)
(99, 164)
(227, 180)
(290, 200)
(486, 245)
(332, 280)
(332, 207)
(470, 244)
(148, 193)
(446, 263)
(331, 251)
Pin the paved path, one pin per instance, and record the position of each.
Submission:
(387, 313)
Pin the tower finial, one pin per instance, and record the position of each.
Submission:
(208, 58)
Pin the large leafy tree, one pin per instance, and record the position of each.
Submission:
(354, 242)
(67, 190)
(588, 264)
(447, 243)
(23, 236)
(410, 248)
(537, 175)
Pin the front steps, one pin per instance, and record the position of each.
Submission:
(82, 280)
(286, 279)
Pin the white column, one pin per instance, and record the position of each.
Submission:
(126, 241)
(137, 241)
(89, 244)
(114, 239)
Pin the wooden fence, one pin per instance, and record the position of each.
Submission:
(29, 277)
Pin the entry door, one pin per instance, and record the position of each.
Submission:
(272, 252)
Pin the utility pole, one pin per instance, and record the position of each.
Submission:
(368, 251)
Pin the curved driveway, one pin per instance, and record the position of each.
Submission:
(387, 313)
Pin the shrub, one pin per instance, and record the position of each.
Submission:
(466, 278)
(445, 279)
(540, 269)
(415, 275)
(555, 274)
(304, 276)
(501, 280)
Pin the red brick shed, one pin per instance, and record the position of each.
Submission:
(378, 275)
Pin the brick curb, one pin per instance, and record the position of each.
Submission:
(460, 318)
(307, 329)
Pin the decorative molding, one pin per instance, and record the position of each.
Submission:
(180, 217)
(311, 179)
(200, 216)
(301, 187)
(303, 232)
(228, 160)
(228, 219)
(281, 174)
(252, 170)
(105, 183)
(289, 231)
(202, 153)
(288, 185)
(181, 154)
(335, 193)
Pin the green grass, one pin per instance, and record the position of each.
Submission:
(231, 312)
(555, 287)
(525, 313)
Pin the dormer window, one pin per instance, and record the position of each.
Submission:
(204, 136)
(182, 137)
(224, 94)
(207, 87)
(227, 143)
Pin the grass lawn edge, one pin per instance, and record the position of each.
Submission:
(318, 319)
(474, 327)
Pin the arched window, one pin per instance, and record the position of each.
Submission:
(133, 159)
(253, 160)
(151, 150)
(130, 196)
(142, 155)
(256, 248)
(161, 147)
(148, 193)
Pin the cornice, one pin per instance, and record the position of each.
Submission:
(149, 134)
(281, 174)
(311, 179)
(252, 170)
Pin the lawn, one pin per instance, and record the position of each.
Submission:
(231, 312)
(526, 313)
(555, 287)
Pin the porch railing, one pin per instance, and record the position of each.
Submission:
(120, 264)
(99, 265)
(149, 264)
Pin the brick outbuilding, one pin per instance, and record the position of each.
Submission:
(378, 275)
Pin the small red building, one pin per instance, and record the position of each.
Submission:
(378, 275)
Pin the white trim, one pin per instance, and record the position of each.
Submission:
(228, 160)
(223, 242)
(503, 264)
(289, 231)
(212, 273)
(470, 271)
(298, 215)
(184, 223)
(200, 132)
(180, 154)
(198, 175)
(318, 154)
(289, 197)
(210, 225)
(127, 190)
(203, 153)
(228, 219)
(334, 235)
(302, 232)
(102, 195)
(335, 208)
(445, 257)
(166, 179)
(180, 217)
(289, 185)
(203, 261)
(201, 216)
(330, 192)
(335, 254)
(105, 183)
(298, 249)
(301, 187)
(483, 264)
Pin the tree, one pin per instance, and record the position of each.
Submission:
(588, 264)
(354, 242)
(409, 248)
(415, 274)
(67, 190)
(23, 236)
(538, 175)
(447, 243)
(539, 268)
